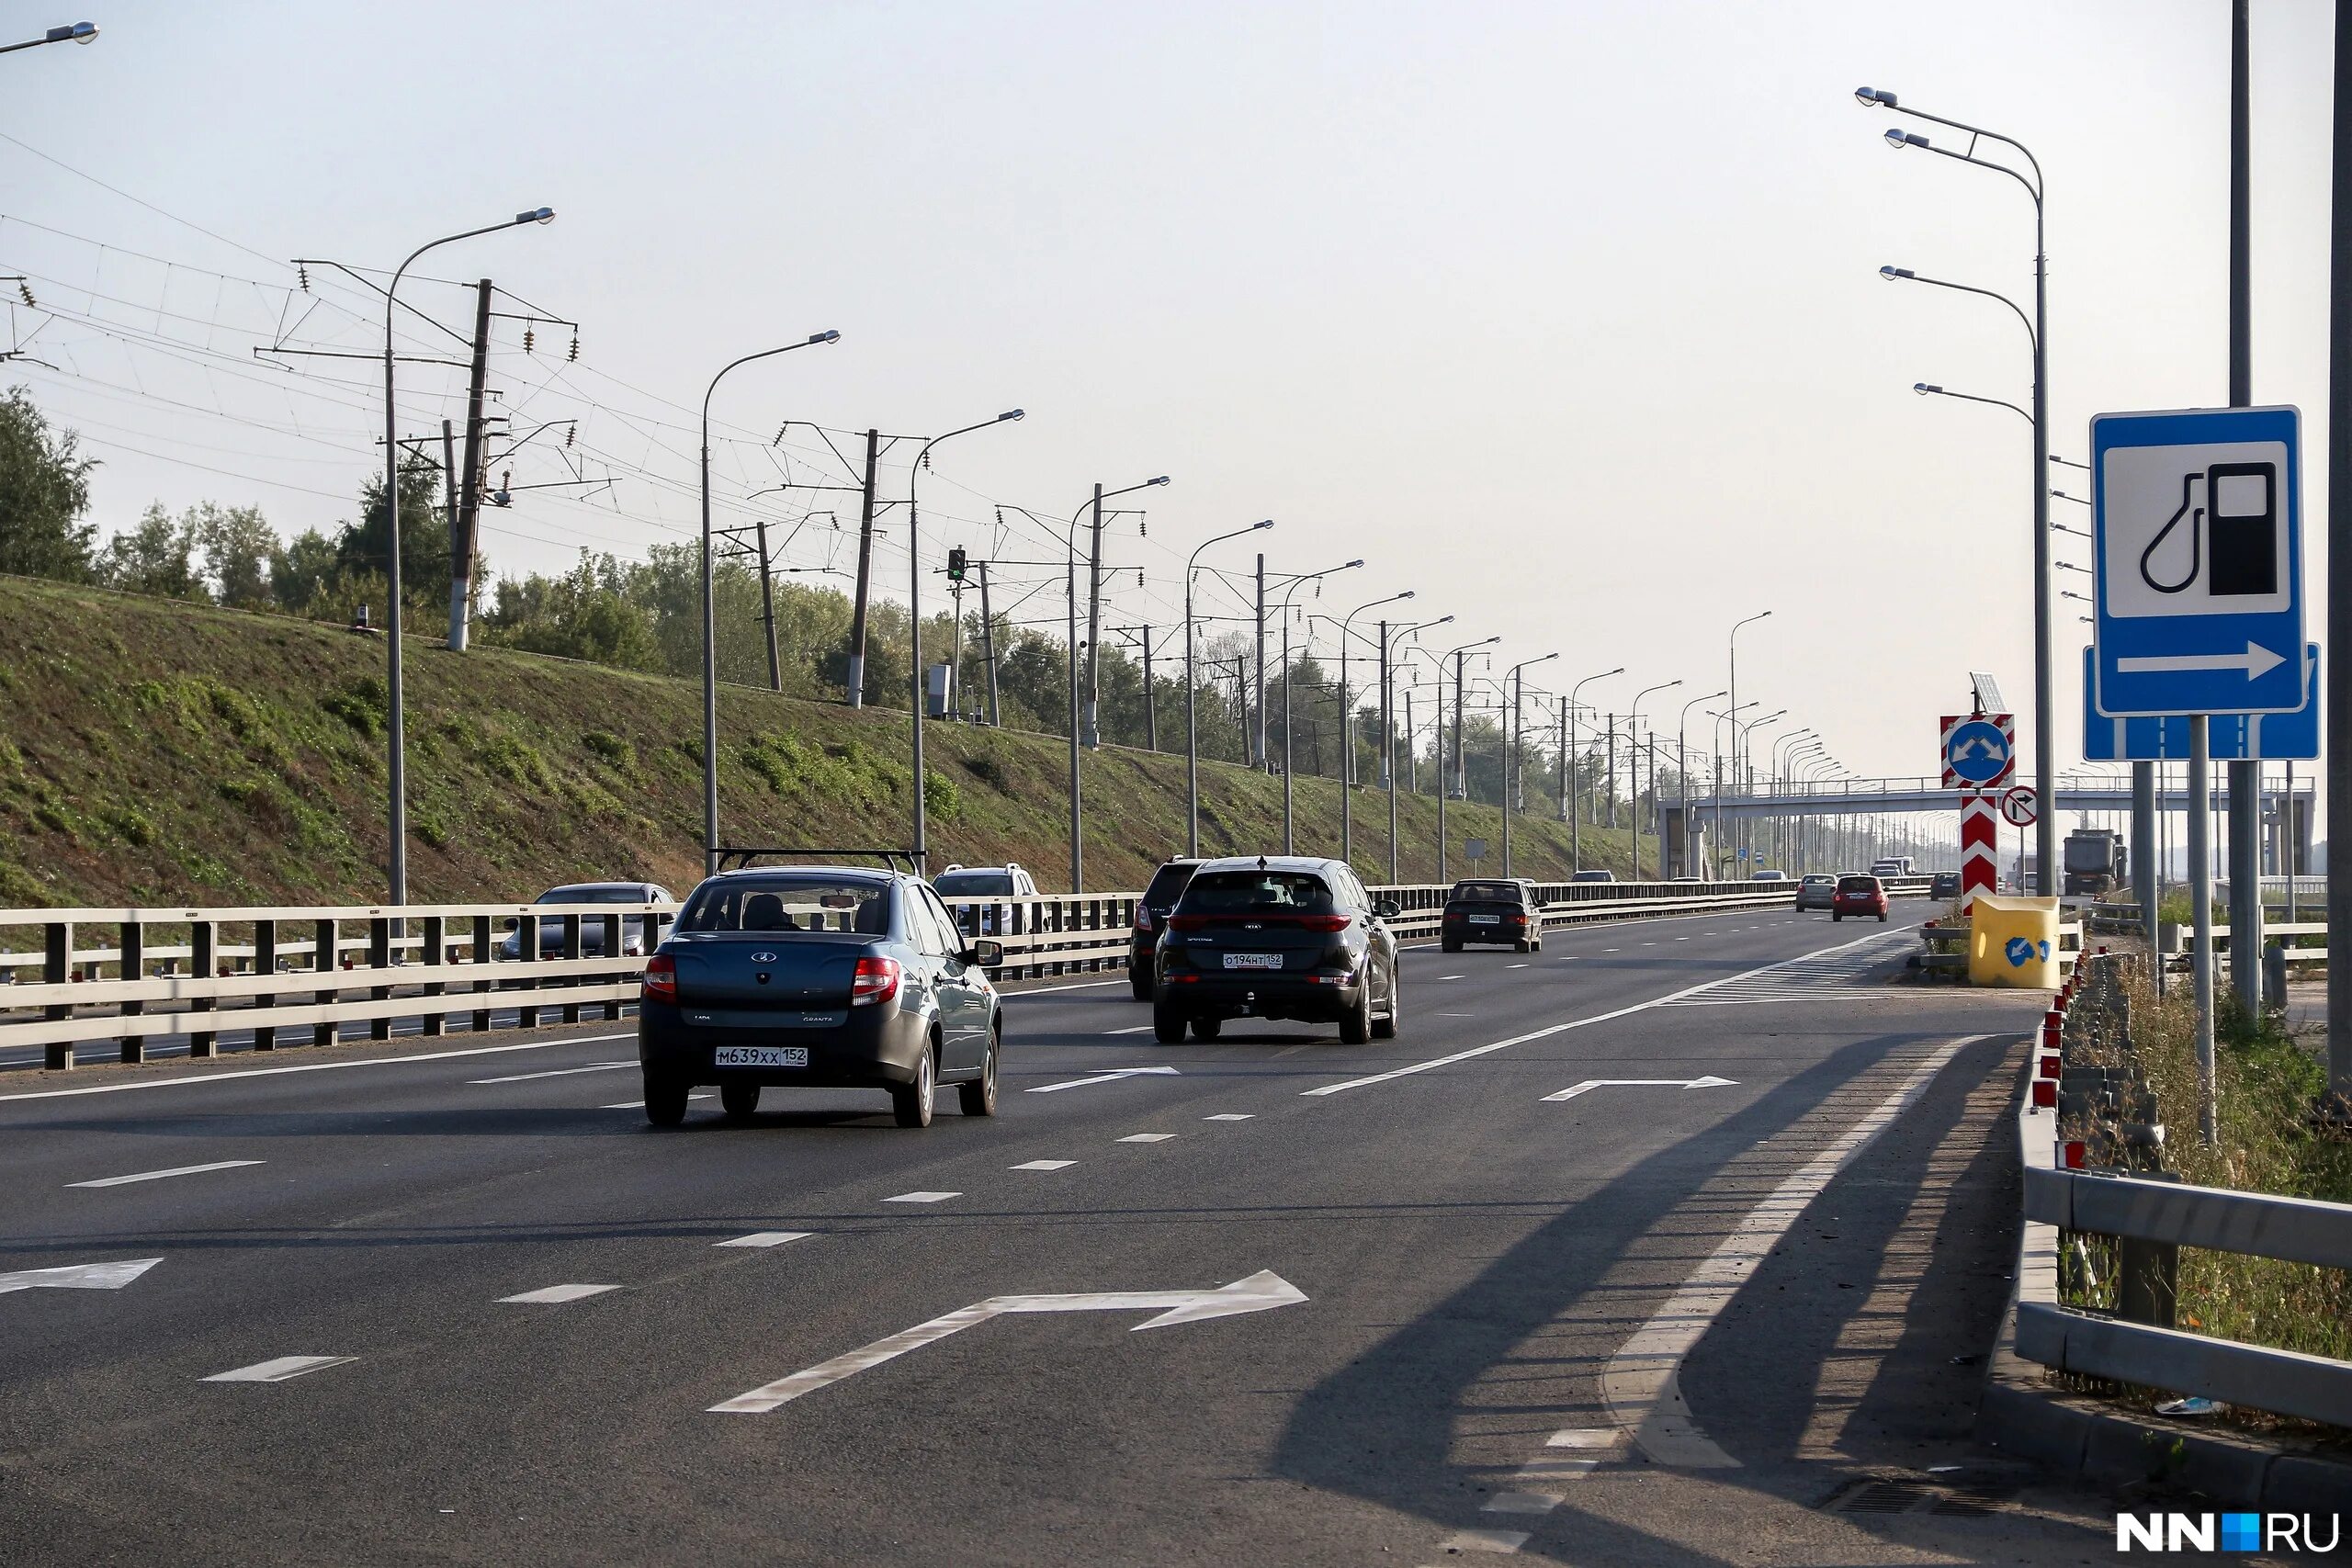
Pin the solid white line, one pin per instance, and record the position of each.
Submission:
(1146, 1138)
(1112, 1077)
(279, 1369)
(1133, 1028)
(555, 1073)
(1232, 1116)
(765, 1238)
(1080, 985)
(1642, 1382)
(1448, 977)
(310, 1068)
(560, 1293)
(1548, 1031)
(922, 1198)
(1043, 1165)
(640, 1105)
(159, 1175)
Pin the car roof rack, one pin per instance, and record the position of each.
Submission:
(739, 856)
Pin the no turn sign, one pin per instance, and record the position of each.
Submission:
(2017, 807)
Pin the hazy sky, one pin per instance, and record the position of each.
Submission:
(1564, 314)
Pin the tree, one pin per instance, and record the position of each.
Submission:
(300, 572)
(239, 547)
(424, 538)
(156, 555)
(44, 491)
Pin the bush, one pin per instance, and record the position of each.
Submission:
(517, 763)
(610, 747)
(940, 799)
(365, 704)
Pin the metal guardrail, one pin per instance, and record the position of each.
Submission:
(163, 973)
(2167, 1214)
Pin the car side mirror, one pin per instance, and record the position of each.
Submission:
(1389, 909)
(987, 955)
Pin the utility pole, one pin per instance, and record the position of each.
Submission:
(1094, 631)
(767, 609)
(1150, 704)
(1564, 759)
(463, 544)
(1610, 791)
(2338, 772)
(449, 493)
(856, 681)
(1257, 731)
(1388, 751)
(987, 643)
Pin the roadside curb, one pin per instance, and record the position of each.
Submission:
(2079, 1437)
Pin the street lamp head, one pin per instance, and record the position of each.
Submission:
(1351, 566)
(1012, 414)
(1267, 523)
(826, 336)
(80, 32)
(1871, 97)
(537, 214)
(1498, 638)
(1906, 139)
(1409, 593)
(1892, 273)
(1924, 388)
(1160, 480)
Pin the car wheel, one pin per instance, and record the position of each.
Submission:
(1384, 1026)
(1836, 917)
(665, 1099)
(1522, 947)
(1882, 920)
(1167, 1024)
(979, 1099)
(1207, 1028)
(912, 1104)
(739, 1101)
(1140, 985)
(1355, 1028)
(1450, 945)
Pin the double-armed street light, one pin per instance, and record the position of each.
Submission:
(1070, 545)
(1444, 781)
(1732, 686)
(1388, 731)
(1568, 796)
(1633, 742)
(1510, 741)
(1289, 834)
(1192, 730)
(396, 738)
(1682, 768)
(1347, 726)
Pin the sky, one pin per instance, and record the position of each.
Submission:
(1564, 316)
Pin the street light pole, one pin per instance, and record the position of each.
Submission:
(1192, 729)
(1295, 583)
(1389, 728)
(2045, 724)
(1733, 687)
(1632, 741)
(1346, 729)
(1510, 741)
(1576, 773)
(1070, 545)
(71, 32)
(921, 846)
(1682, 773)
(396, 725)
(1444, 783)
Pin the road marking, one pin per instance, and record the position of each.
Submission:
(560, 1293)
(1682, 939)
(310, 1068)
(1546, 1033)
(1649, 944)
(1486, 1540)
(1585, 1438)
(765, 1238)
(922, 1198)
(1448, 977)
(1642, 1383)
(279, 1369)
(1612, 950)
(1146, 1138)
(1112, 1077)
(1458, 1015)
(78, 1275)
(555, 1072)
(160, 1175)
(1259, 1292)
(1590, 1084)
(640, 1105)
(1515, 1502)
(1232, 1116)
(1514, 965)
(1043, 1165)
(1133, 1028)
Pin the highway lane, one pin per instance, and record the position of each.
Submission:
(398, 1205)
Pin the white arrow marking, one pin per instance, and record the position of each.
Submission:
(1590, 1084)
(2257, 661)
(1113, 1076)
(1259, 1292)
(78, 1275)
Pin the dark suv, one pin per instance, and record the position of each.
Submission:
(1492, 910)
(1151, 913)
(1277, 937)
(828, 977)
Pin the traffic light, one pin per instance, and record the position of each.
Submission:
(957, 561)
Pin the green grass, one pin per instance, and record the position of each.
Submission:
(158, 752)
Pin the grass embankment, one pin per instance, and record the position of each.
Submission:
(2267, 1142)
(157, 752)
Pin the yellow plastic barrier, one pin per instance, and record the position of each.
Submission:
(2013, 942)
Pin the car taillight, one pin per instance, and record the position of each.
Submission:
(1188, 922)
(1324, 922)
(660, 978)
(1143, 917)
(877, 981)
(1518, 920)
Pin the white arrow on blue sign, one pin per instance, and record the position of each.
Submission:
(2233, 736)
(2197, 518)
(1977, 751)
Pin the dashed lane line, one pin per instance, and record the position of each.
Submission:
(1146, 1138)
(558, 1072)
(922, 1197)
(1043, 1165)
(279, 1367)
(161, 1175)
(640, 1105)
(550, 1295)
(765, 1238)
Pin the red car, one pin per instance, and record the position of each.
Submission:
(1858, 895)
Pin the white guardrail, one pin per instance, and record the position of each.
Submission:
(166, 972)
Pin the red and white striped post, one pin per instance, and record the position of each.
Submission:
(1980, 837)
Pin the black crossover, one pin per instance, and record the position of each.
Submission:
(1283, 937)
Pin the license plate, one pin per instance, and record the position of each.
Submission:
(1485, 920)
(761, 1056)
(1254, 961)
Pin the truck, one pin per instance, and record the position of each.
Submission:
(2095, 863)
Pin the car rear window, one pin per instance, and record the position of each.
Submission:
(975, 884)
(1168, 884)
(1594, 876)
(1858, 884)
(1819, 880)
(1493, 892)
(783, 904)
(1257, 893)
(598, 894)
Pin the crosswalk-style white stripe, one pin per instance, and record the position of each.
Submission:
(1819, 977)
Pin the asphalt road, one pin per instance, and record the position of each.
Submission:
(1640, 1323)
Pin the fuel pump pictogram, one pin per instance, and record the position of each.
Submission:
(2232, 510)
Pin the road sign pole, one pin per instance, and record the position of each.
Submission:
(2246, 777)
(2201, 904)
(2146, 877)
